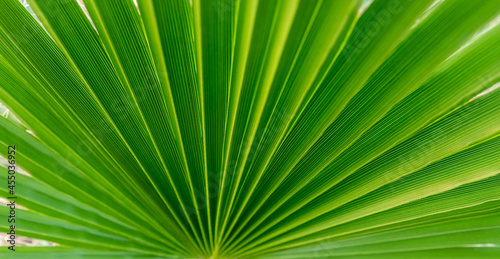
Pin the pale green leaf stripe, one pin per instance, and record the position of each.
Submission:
(439, 234)
(487, 220)
(377, 234)
(446, 253)
(478, 195)
(488, 235)
(27, 252)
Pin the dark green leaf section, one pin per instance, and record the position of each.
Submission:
(252, 128)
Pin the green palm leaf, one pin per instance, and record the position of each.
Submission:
(269, 129)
